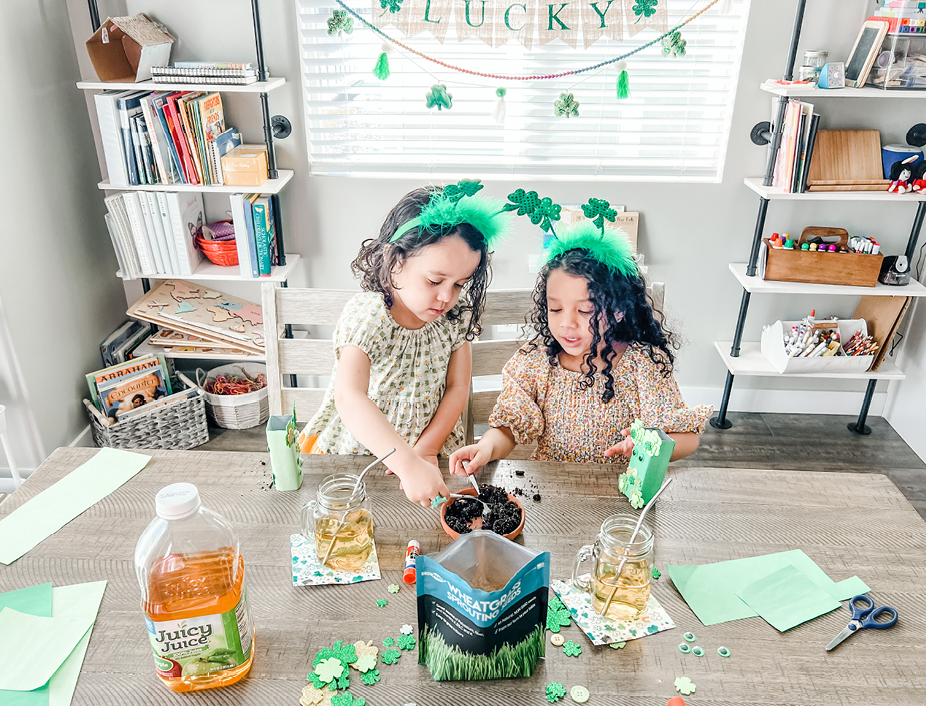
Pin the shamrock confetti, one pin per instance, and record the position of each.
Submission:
(388, 641)
(566, 105)
(599, 210)
(347, 699)
(406, 642)
(391, 5)
(542, 212)
(618, 645)
(319, 684)
(393, 588)
(382, 602)
(390, 656)
(407, 629)
(315, 697)
(683, 685)
(673, 44)
(440, 99)
(365, 663)
(371, 677)
(464, 187)
(438, 501)
(345, 655)
(365, 649)
(329, 669)
(339, 23)
(644, 8)
(555, 692)
(571, 649)
(656, 573)
(557, 615)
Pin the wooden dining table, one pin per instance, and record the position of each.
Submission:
(849, 524)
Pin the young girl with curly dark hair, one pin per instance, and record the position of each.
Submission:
(403, 360)
(599, 360)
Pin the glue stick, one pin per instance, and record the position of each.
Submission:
(411, 555)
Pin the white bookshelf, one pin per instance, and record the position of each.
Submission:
(270, 186)
(757, 285)
(149, 85)
(209, 271)
(776, 193)
(812, 91)
(752, 363)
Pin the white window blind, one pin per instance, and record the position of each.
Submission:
(674, 126)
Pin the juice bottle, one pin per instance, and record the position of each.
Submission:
(193, 594)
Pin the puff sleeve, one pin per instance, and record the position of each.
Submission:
(362, 324)
(518, 405)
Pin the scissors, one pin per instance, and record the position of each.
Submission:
(865, 616)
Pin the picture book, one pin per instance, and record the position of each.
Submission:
(116, 339)
(153, 405)
(220, 146)
(132, 392)
(200, 311)
(110, 378)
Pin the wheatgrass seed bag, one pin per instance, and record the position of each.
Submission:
(482, 605)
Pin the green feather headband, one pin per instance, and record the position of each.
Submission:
(457, 204)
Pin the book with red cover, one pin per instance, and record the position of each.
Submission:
(177, 132)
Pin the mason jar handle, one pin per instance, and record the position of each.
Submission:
(586, 552)
(306, 520)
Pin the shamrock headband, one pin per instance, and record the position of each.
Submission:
(456, 204)
(609, 247)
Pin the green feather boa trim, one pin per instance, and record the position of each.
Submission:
(611, 247)
(443, 213)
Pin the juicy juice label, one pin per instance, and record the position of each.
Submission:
(203, 645)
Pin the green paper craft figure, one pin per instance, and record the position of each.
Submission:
(340, 23)
(285, 460)
(438, 97)
(673, 44)
(566, 105)
(652, 449)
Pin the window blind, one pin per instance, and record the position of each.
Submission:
(674, 126)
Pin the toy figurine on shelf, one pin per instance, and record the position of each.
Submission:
(918, 177)
(901, 176)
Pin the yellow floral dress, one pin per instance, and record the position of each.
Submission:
(408, 375)
(548, 403)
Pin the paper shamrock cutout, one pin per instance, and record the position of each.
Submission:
(555, 692)
(329, 669)
(344, 655)
(598, 211)
(618, 645)
(365, 649)
(557, 615)
(571, 649)
(391, 5)
(406, 642)
(340, 22)
(644, 8)
(683, 685)
(566, 105)
(464, 187)
(365, 663)
(652, 449)
(673, 44)
(438, 97)
(388, 641)
(390, 656)
(315, 697)
(656, 573)
(407, 629)
(393, 588)
(382, 602)
(371, 677)
(541, 211)
(347, 699)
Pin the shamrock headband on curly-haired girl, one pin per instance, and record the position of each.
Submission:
(456, 204)
(609, 247)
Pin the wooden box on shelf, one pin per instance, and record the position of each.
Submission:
(848, 269)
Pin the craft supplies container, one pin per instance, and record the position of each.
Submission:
(622, 598)
(194, 594)
(848, 269)
(773, 348)
(178, 425)
(341, 522)
(816, 59)
(236, 411)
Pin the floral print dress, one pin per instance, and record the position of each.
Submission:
(408, 374)
(547, 403)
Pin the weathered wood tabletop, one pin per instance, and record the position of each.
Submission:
(848, 523)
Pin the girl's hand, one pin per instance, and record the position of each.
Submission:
(475, 456)
(422, 483)
(622, 448)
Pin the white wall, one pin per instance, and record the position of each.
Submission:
(688, 232)
(58, 294)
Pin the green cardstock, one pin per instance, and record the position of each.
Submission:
(787, 598)
(34, 647)
(710, 589)
(54, 507)
(35, 600)
(80, 601)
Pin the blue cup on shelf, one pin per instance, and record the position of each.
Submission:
(898, 153)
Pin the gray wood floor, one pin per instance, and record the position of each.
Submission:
(811, 442)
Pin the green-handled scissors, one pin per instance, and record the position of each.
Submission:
(864, 616)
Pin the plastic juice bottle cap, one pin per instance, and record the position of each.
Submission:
(177, 501)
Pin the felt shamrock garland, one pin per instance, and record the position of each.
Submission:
(339, 23)
(439, 98)
(566, 105)
(673, 44)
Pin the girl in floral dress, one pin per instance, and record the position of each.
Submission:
(598, 361)
(403, 360)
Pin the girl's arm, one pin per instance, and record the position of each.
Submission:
(496, 443)
(452, 404)
(686, 443)
(421, 481)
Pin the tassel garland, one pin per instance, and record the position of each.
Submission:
(623, 81)
(381, 70)
(500, 108)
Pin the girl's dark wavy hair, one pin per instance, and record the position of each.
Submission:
(610, 292)
(378, 258)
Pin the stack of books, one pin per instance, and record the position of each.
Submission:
(128, 389)
(118, 346)
(255, 234)
(209, 72)
(164, 137)
(798, 133)
(903, 16)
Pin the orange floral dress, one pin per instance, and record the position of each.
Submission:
(549, 404)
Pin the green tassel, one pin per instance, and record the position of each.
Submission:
(623, 85)
(381, 70)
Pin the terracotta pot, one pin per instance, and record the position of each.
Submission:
(477, 523)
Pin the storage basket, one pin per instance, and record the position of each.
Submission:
(236, 411)
(178, 425)
(220, 252)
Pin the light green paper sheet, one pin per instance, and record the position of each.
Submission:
(710, 589)
(54, 507)
(35, 600)
(80, 601)
(787, 598)
(34, 647)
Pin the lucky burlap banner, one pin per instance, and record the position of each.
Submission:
(497, 22)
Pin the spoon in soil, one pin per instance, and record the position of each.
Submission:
(633, 536)
(352, 494)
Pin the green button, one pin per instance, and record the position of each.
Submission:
(579, 694)
(689, 637)
(684, 648)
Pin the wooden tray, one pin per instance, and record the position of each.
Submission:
(848, 269)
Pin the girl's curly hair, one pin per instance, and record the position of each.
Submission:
(378, 258)
(610, 293)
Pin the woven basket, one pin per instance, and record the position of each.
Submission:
(179, 425)
(236, 411)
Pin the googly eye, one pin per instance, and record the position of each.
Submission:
(698, 651)
(684, 648)
(689, 637)
(723, 651)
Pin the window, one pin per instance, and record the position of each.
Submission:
(674, 126)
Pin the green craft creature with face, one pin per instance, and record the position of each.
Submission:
(652, 449)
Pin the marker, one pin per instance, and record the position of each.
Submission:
(411, 556)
